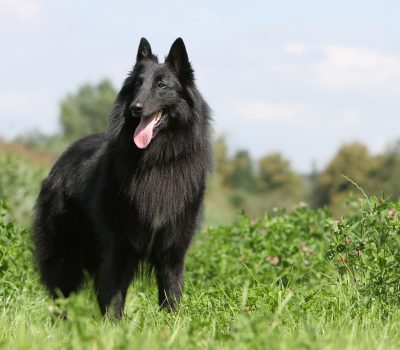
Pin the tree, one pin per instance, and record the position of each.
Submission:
(223, 166)
(276, 174)
(386, 171)
(352, 160)
(242, 175)
(86, 112)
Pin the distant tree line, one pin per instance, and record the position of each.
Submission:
(256, 184)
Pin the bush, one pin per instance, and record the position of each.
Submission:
(366, 249)
(287, 248)
(16, 272)
(19, 183)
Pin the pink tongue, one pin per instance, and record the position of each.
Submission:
(144, 131)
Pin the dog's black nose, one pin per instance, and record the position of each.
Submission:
(136, 108)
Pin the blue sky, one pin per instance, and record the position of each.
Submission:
(299, 77)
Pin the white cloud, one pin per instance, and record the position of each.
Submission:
(295, 48)
(351, 118)
(21, 101)
(379, 144)
(23, 10)
(353, 68)
(267, 111)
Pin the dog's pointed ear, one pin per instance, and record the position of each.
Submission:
(178, 59)
(144, 50)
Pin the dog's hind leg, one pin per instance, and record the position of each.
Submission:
(113, 278)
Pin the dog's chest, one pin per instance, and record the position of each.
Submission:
(161, 194)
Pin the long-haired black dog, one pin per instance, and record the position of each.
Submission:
(133, 194)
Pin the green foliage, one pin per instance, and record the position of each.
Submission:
(223, 166)
(255, 189)
(242, 174)
(19, 183)
(16, 272)
(366, 250)
(275, 173)
(286, 248)
(258, 284)
(374, 173)
(86, 112)
(352, 160)
(384, 175)
(52, 145)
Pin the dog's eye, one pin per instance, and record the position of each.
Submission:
(161, 85)
(138, 83)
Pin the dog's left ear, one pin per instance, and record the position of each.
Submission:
(178, 59)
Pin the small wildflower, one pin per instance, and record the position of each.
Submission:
(51, 309)
(274, 260)
(302, 204)
(306, 249)
(391, 213)
(263, 231)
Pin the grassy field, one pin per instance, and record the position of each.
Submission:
(287, 280)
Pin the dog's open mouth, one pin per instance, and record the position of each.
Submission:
(147, 129)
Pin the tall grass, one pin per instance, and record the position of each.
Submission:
(272, 283)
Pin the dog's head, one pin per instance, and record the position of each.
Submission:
(158, 93)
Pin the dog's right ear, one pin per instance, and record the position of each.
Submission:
(144, 50)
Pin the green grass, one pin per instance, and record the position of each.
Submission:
(256, 284)
(294, 279)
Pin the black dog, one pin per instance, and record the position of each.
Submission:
(132, 195)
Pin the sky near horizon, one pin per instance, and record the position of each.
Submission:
(298, 77)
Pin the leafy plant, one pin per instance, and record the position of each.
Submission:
(366, 249)
(16, 272)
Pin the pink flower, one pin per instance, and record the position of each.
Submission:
(341, 260)
(391, 213)
(274, 260)
(302, 204)
(306, 249)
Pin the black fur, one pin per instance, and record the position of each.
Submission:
(107, 206)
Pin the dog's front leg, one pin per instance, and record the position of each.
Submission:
(113, 278)
(170, 281)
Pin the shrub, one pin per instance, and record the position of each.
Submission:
(366, 249)
(16, 272)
